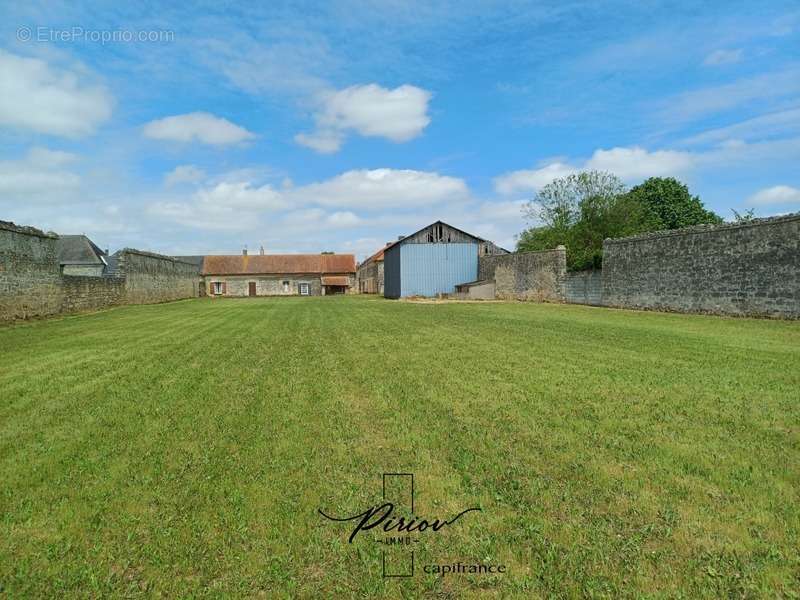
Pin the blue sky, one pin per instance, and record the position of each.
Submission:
(310, 126)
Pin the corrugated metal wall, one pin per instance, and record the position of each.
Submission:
(431, 269)
(391, 272)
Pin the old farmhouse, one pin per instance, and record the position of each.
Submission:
(370, 274)
(279, 274)
(433, 261)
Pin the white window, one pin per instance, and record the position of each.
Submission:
(303, 287)
(285, 287)
(217, 287)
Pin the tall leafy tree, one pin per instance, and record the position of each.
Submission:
(580, 211)
(670, 205)
(583, 209)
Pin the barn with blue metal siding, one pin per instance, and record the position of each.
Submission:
(432, 261)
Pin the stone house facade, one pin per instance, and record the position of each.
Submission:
(369, 276)
(279, 275)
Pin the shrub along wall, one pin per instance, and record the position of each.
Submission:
(527, 275)
(734, 269)
(31, 284)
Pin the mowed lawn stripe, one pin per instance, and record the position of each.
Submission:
(185, 448)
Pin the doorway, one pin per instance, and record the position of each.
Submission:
(252, 288)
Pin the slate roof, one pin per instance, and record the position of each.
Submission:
(268, 264)
(78, 250)
(112, 264)
(196, 260)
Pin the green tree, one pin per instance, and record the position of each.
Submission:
(670, 205)
(744, 217)
(580, 211)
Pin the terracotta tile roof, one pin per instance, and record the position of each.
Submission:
(336, 280)
(378, 256)
(267, 264)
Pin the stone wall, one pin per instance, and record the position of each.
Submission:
(152, 278)
(83, 270)
(733, 269)
(536, 276)
(370, 278)
(584, 287)
(30, 282)
(82, 293)
(239, 285)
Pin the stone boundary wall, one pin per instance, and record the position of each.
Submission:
(584, 287)
(744, 269)
(538, 276)
(32, 285)
(85, 292)
(30, 281)
(151, 278)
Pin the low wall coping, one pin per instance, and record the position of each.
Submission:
(27, 230)
(697, 229)
(519, 252)
(154, 255)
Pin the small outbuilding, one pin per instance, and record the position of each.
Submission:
(78, 255)
(433, 261)
(370, 274)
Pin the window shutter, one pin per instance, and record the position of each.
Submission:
(224, 288)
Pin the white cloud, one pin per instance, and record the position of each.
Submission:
(637, 163)
(289, 60)
(749, 90)
(343, 219)
(200, 126)
(225, 206)
(184, 174)
(370, 110)
(50, 100)
(382, 188)
(531, 179)
(780, 123)
(242, 195)
(44, 157)
(507, 210)
(723, 57)
(630, 164)
(779, 194)
(193, 215)
(39, 176)
(315, 219)
(324, 142)
(241, 205)
(767, 155)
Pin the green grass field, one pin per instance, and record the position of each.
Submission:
(183, 449)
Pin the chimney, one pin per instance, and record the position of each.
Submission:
(261, 252)
(400, 237)
(244, 251)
